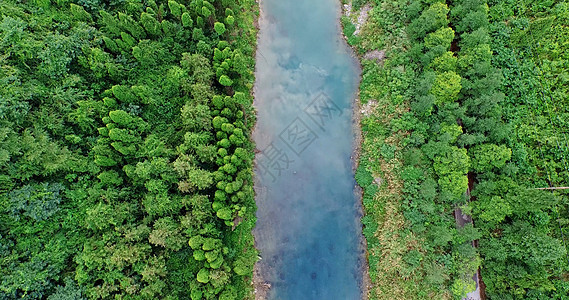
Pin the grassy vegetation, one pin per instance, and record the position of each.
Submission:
(125, 156)
(466, 88)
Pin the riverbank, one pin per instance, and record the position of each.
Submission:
(357, 113)
(437, 110)
(366, 110)
(260, 286)
(357, 20)
(378, 36)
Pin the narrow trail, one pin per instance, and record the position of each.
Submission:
(461, 220)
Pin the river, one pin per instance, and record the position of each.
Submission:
(308, 230)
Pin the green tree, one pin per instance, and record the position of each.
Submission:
(187, 20)
(203, 276)
(79, 13)
(175, 8)
(487, 157)
(431, 19)
(441, 37)
(219, 28)
(446, 87)
(225, 80)
(150, 23)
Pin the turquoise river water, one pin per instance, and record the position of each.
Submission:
(308, 229)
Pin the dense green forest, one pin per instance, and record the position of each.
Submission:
(125, 155)
(468, 111)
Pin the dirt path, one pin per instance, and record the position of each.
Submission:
(461, 220)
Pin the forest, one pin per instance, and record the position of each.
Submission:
(125, 157)
(470, 116)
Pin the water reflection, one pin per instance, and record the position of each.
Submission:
(308, 226)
